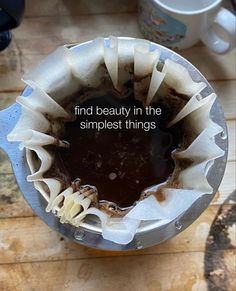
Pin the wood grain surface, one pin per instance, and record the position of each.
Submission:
(32, 256)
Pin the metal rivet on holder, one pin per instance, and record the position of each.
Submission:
(139, 245)
(79, 234)
(178, 225)
(223, 135)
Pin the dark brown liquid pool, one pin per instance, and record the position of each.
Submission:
(121, 163)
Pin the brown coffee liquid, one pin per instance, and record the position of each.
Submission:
(121, 163)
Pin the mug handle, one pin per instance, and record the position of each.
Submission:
(227, 21)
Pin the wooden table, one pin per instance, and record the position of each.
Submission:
(33, 257)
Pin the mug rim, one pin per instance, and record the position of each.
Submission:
(195, 12)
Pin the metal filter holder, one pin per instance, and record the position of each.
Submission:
(89, 233)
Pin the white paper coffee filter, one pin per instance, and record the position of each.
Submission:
(65, 72)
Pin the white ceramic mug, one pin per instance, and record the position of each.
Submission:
(182, 23)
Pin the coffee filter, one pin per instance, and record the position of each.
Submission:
(43, 115)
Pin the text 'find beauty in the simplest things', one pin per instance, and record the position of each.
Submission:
(122, 112)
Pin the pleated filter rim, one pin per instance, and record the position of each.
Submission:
(66, 71)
